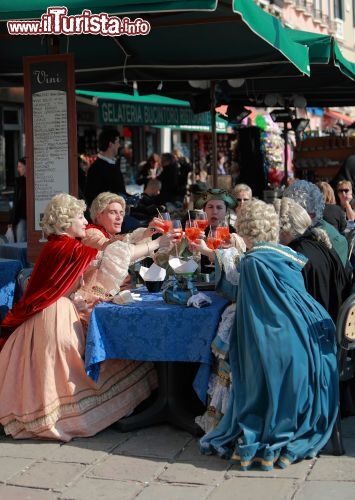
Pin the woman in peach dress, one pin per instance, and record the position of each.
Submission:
(107, 213)
(44, 390)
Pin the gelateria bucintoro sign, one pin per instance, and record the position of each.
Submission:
(158, 115)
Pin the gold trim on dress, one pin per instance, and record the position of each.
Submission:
(282, 252)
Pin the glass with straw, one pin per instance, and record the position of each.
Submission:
(176, 230)
(166, 221)
(192, 231)
(201, 219)
(223, 231)
(214, 238)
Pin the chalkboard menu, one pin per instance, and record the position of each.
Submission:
(50, 129)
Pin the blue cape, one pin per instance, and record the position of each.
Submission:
(285, 388)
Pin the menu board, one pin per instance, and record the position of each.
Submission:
(50, 128)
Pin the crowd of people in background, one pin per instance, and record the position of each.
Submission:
(284, 266)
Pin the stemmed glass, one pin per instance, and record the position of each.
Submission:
(223, 231)
(214, 239)
(201, 219)
(192, 232)
(176, 230)
(167, 224)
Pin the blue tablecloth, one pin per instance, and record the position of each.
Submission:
(9, 269)
(153, 330)
(17, 251)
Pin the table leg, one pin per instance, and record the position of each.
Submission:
(167, 407)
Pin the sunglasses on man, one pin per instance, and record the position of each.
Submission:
(343, 190)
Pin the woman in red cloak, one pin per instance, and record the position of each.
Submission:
(44, 389)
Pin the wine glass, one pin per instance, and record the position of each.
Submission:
(192, 232)
(176, 230)
(214, 239)
(223, 231)
(165, 216)
(201, 219)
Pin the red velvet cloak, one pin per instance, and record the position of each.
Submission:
(61, 262)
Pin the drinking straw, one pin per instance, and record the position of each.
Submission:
(160, 215)
(189, 216)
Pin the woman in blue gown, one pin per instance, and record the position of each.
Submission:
(285, 395)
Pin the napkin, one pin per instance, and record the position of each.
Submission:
(199, 300)
(182, 266)
(152, 273)
(125, 297)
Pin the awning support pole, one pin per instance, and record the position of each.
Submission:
(214, 135)
(285, 137)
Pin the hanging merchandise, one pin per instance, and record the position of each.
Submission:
(273, 145)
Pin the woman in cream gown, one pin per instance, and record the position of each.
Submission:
(107, 211)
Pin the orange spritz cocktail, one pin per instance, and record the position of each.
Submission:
(176, 229)
(166, 222)
(201, 219)
(223, 232)
(166, 226)
(214, 239)
(213, 242)
(201, 224)
(192, 232)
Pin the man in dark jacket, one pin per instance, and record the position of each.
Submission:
(105, 173)
(148, 206)
(169, 178)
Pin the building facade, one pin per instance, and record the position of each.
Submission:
(331, 17)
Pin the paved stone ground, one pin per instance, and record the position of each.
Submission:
(162, 463)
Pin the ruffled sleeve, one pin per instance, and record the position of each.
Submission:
(103, 281)
(94, 238)
(230, 259)
(136, 236)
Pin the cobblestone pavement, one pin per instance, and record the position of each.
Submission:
(162, 463)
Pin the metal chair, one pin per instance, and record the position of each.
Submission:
(345, 332)
(350, 236)
(23, 278)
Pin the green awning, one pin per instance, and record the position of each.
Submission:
(157, 111)
(331, 82)
(271, 30)
(188, 40)
(323, 49)
(116, 96)
(33, 9)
